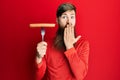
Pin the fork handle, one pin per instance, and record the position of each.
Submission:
(42, 35)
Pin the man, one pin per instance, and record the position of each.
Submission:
(65, 57)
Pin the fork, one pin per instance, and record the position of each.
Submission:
(42, 33)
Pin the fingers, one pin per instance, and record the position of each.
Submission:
(69, 34)
(41, 48)
(42, 44)
(70, 30)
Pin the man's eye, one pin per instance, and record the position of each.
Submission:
(72, 17)
(64, 17)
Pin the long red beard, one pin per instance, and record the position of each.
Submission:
(59, 39)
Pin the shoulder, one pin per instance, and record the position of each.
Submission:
(82, 46)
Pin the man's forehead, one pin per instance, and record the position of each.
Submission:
(71, 12)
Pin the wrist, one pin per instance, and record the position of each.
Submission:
(69, 47)
(38, 60)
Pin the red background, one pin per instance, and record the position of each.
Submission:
(98, 20)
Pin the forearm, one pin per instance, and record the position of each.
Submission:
(78, 63)
(41, 68)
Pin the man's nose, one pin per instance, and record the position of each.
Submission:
(68, 21)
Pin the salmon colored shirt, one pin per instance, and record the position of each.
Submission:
(64, 65)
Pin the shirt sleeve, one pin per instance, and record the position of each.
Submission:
(78, 60)
(41, 68)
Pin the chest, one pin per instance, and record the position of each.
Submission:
(55, 58)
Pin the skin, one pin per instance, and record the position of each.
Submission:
(67, 21)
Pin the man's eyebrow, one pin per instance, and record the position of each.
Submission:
(72, 14)
(64, 14)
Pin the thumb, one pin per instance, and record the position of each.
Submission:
(77, 38)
